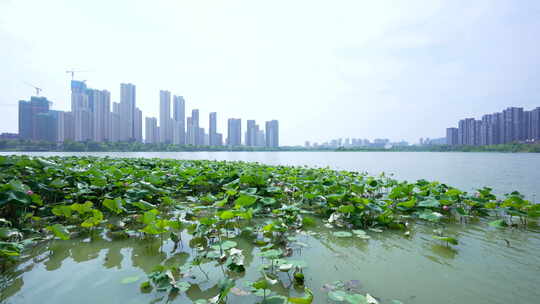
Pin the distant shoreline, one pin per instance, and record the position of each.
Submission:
(12, 146)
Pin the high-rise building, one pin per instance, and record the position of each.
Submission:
(251, 133)
(65, 127)
(26, 120)
(165, 132)
(28, 110)
(118, 129)
(218, 139)
(201, 135)
(138, 125)
(197, 139)
(535, 124)
(212, 132)
(151, 132)
(467, 131)
(46, 126)
(234, 132)
(179, 115)
(261, 139)
(452, 136)
(511, 125)
(82, 112)
(100, 107)
(177, 132)
(128, 110)
(490, 129)
(272, 133)
(189, 132)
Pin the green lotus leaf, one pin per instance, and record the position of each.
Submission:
(337, 295)
(275, 300)
(62, 210)
(128, 280)
(346, 209)
(226, 215)
(149, 216)
(87, 207)
(429, 203)
(498, 223)
(115, 205)
(342, 234)
(408, 204)
(268, 201)
(448, 239)
(245, 200)
(430, 216)
(355, 298)
(7, 233)
(143, 205)
(307, 299)
(271, 254)
(59, 231)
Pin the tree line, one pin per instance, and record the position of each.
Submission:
(90, 146)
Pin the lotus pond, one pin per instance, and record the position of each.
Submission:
(113, 230)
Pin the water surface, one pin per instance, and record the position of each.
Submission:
(416, 269)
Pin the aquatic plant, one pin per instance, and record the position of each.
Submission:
(216, 202)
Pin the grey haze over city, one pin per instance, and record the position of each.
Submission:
(325, 69)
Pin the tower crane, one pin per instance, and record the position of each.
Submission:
(72, 72)
(38, 90)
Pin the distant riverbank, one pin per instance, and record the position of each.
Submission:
(33, 146)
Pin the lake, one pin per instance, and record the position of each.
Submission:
(504, 172)
(489, 265)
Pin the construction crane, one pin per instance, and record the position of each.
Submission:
(72, 72)
(38, 90)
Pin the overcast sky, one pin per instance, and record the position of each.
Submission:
(324, 69)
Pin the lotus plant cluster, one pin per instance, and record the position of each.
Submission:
(216, 203)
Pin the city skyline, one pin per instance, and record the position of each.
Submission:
(94, 118)
(513, 124)
(352, 69)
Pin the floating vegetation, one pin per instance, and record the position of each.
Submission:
(219, 203)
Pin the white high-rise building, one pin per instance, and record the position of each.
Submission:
(212, 130)
(201, 137)
(151, 130)
(179, 115)
(272, 133)
(189, 131)
(197, 139)
(178, 132)
(261, 139)
(234, 132)
(165, 132)
(81, 111)
(128, 110)
(65, 126)
(100, 102)
(251, 133)
(137, 131)
(116, 123)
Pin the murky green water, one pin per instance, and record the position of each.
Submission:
(417, 269)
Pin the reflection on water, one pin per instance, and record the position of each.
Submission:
(483, 268)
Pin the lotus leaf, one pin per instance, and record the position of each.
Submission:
(342, 234)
